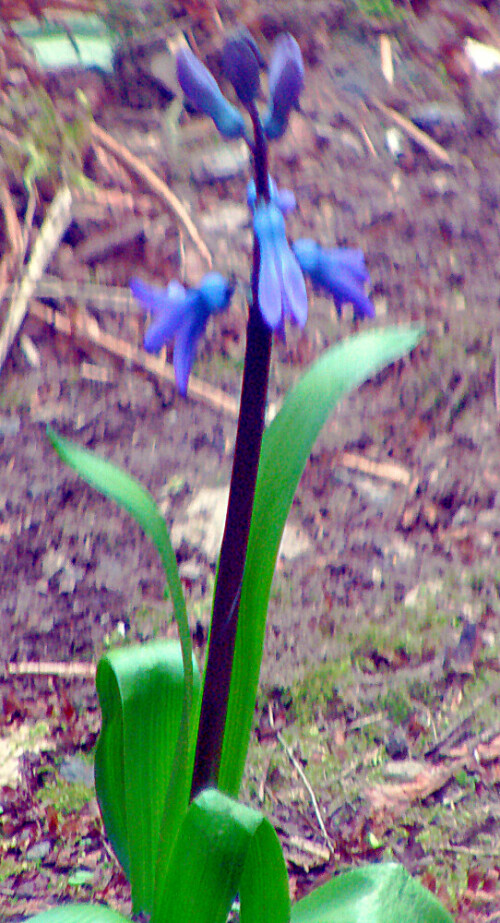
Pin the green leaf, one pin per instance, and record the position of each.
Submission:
(129, 493)
(141, 693)
(373, 894)
(79, 41)
(79, 913)
(285, 449)
(223, 848)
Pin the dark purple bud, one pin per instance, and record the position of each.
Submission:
(203, 91)
(286, 78)
(242, 62)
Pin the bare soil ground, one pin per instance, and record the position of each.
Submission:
(381, 673)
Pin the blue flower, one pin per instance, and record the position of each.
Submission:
(242, 62)
(203, 91)
(182, 315)
(282, 290)
(286, 78)
(283, 198)
(342, 272)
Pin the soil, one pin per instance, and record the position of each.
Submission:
(400, 502)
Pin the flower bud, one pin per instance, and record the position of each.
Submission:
(202, 90)
(242, 62)
(286, 77)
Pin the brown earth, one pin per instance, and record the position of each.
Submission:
(400, 502)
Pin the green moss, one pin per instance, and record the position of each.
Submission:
(316, 697)
(65, 797)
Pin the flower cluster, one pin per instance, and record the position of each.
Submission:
(182, 314)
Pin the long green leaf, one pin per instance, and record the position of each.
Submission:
(373, 894)
(286, 447)
(223, 847)
(132, 496)
(141, 693)
(129, 493)
(79, 913)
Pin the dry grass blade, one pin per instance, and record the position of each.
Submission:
(56, 222)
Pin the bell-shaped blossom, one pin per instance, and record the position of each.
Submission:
(283, 198)
(181, 314)
(286, 78)
(203, 91)
(342, 272)
(242, 62)
(282, 291)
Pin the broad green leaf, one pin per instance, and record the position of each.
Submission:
(79, 913)
(286, 447)
(223, 848)
(143, 745)
(373, 894)
(129, 493)
(80, 41)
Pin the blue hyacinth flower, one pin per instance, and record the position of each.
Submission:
(283, 198)
(282, 290)
(342, 272)
(182, 315)
(203, 91)
(286, 78)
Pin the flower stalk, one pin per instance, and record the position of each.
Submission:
(248, 443)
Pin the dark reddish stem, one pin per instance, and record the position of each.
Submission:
(239, 512)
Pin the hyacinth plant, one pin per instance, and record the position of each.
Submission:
(172, 748)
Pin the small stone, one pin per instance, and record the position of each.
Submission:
(39, 851)
(439, 119)
(294, 543)
(396, 745)
(203, 524)
(394, 142)
(190, 571)
(219, 163)
(75, 769)
(403, 770)
(228, 218)
(462, 517)
(9, 426)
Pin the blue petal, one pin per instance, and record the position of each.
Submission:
(215, 291)
(344, 288)
(352, 261)
(286, 78)
(342, 272)
(186, 342)
(267, 220)
(294, 287)
(155, 299)
(202, 90)
(307, 252)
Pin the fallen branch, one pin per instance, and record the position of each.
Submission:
(56, 668)
(157, 185)
(419, 136)
(56, 221)
(81, 327)
(296, 765)
(387, 471)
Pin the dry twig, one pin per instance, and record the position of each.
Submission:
(56, 221)
(88, 329)
(419, 136)
(157, 185)
(296, 765)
